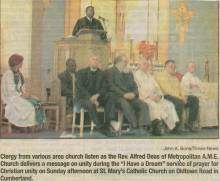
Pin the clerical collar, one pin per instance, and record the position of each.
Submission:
(93, 69)
(70, 72)
(120, 69)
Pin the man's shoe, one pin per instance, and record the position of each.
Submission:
(110, 134)
(158, 127)
(143, 132)
(191, 128)
(178, 131)
(130, 132)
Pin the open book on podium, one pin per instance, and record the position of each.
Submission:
(86, 35)
(91, 34)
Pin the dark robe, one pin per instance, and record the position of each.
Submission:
(121, 83)
(66, 86)
(89, 83)
(84, 23)
(135, 110)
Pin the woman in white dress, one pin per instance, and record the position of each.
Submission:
(207, 107)
(21, 110)
(150, 92)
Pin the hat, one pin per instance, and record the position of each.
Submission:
(15, 59)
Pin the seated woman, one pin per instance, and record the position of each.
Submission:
(21, 109)
(207, 107)
(149, 91)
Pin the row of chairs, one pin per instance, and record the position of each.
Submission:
(5, 123)
(75, 125)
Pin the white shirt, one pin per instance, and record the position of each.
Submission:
(188, 83)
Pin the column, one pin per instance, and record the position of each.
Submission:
(163, 31)
(120, 23)
(35, 83)
(72, 14)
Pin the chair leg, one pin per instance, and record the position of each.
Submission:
(46, 125)
(81, 122)
(9, 128)
(120, 120)
(57, 119)
(92, 128)
(198, 120)
(74, 122)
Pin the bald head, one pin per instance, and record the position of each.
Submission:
(144, 65)
(191, 67)
(93, 61)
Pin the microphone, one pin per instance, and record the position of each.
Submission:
(103, 19)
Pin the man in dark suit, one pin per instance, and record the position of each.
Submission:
(91, 92)
(88, 22)
(123, 86)
(67, 83)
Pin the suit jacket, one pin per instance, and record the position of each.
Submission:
(84, 83)
(121, 83)
(66, 81)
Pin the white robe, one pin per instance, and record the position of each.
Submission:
(163, 109)
(18, 110)
(207, 107)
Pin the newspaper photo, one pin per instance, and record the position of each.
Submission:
(109, 90)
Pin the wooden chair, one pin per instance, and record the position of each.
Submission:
(4, 121)
(81, 125)
(61, 101)
(52, 107)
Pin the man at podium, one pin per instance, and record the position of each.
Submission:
(89, 22)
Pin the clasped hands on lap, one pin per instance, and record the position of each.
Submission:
(94, 100)
(129, 96)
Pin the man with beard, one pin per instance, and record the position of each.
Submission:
(124, 88)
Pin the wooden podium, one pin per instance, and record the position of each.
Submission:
(80, 47)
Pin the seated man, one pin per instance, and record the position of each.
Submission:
(193, 87)
(173, 92)
(125, 90)
(67, 83)
(88, 22)
(91, 92)
(149, 92)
